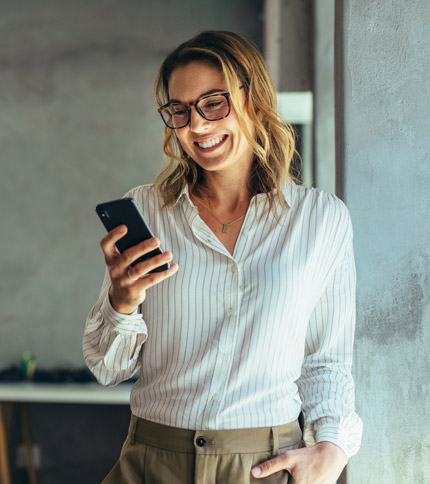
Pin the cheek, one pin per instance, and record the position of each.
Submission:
(187, 147)
(239, 130)
(181, 139)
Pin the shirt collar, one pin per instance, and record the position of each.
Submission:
(288, 193)
(185, 194)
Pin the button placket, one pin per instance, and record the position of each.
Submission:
(226, 344)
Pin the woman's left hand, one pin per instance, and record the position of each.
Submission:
(319, 464)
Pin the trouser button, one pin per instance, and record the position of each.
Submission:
(200, 441)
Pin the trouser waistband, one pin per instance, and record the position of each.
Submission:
(262, 439)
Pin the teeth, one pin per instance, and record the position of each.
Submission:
(210, 143)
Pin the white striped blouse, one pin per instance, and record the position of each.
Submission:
(243, 340)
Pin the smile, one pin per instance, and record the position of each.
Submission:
(212, 142)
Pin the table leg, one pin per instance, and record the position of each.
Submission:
(25, 428)
(4, 460)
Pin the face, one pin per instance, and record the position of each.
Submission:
(217, 146)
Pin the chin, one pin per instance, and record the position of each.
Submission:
(213, 166)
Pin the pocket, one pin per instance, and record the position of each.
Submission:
(280, 477)
(298, 445)
(168, 467)
(132, 462)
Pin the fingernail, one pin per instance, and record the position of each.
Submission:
(167, 255)
(153, 241)
(256, 471)
(121, 229)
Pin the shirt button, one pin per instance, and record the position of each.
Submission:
(201, 442)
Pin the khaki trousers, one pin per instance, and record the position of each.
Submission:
(158, 454)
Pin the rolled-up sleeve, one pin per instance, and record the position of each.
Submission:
(109, 340)
(326, 385)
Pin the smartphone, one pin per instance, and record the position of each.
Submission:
(125, 211)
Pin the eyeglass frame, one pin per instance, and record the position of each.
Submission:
(194, 103)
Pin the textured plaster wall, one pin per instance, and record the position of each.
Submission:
(386, 71)
(78, 126)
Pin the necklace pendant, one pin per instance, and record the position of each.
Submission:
(224, 228)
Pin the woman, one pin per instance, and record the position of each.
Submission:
(257, 322)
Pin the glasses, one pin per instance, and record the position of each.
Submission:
(212, 108)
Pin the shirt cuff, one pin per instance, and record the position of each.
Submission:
(124, 323)
(346, 435)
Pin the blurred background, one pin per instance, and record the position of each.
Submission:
(79, 126)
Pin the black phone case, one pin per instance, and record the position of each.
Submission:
(125, 211)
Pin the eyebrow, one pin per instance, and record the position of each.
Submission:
(207, 93)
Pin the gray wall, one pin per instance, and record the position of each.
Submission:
(323, 75)
(386, 184)
(78, 126)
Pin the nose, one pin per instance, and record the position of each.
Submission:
(197, 122)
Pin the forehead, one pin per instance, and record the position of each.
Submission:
(189, 82)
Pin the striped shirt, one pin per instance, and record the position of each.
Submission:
(244, 340)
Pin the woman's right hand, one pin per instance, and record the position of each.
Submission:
(129, 284)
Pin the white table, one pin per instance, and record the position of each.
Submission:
(65, 393)
(79, 393)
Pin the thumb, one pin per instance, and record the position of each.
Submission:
(279, 463)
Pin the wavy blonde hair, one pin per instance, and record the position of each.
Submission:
(273, 143)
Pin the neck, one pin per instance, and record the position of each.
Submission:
(227, 193)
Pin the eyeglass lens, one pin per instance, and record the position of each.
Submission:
(211, 108)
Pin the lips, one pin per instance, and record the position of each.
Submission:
(211, 143)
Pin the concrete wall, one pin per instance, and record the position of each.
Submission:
(78, 126)
(386, 185)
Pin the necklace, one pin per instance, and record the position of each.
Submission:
(224, 226)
